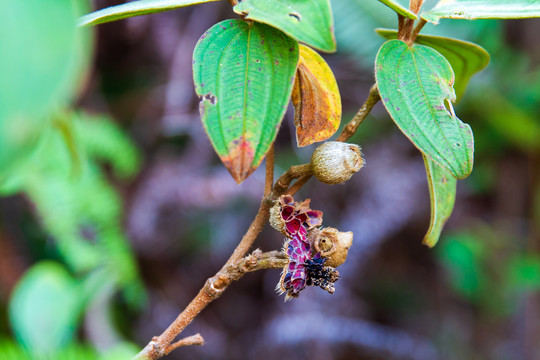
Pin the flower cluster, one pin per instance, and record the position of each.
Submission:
(295, 221)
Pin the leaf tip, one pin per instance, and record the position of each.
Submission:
(239, 160)
(430, 241)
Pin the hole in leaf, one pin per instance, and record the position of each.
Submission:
(448, 106)
(209, 97)
(295, 15)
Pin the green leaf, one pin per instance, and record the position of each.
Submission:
(44, 308)
(442, 192)
(466, 58)
(415, 84)
(482, 9)
(308, 21)
(43, 58)
(243, 74)
(135, 8)
(398, 8)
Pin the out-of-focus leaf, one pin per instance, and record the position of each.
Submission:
(462, 256)
(12, 351)
(483, 9)
(103, 140)
(82, 211)
(64, 126)
(354, 17)
(122, 351)
(524, 273)
(415, 84)
(135, 8)
(465, 57)
(442, 192)
(44, 308)
(9, 350)
(243, 74)
(358, 18)
(519, 126)
(315, 98)
(308, 21)
(42, 61)
(398, 8)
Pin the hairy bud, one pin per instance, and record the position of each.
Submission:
(335, 162)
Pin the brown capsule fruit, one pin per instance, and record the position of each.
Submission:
(334, 162)
(333, 245)
(276, 220)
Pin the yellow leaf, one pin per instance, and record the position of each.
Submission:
(316, 100)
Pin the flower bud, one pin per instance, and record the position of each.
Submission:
(335, 162)
(333, 245)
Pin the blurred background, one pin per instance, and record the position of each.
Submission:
(114, 208)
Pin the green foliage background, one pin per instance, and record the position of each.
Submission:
(70, 170)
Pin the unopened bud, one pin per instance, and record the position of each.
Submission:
(335, 162)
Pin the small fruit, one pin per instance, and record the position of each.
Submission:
(286, 216)
(335, 162)
(333, 245)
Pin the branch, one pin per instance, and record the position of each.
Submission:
(269, 178)
(419, 25)
(415, 5)
(294, 172)
(401, 27)
(212, 289)
(298, 184)
(350, 129)
(196, 339)
(303, 172)
(406, 31)
(233, 269)
(262, 215)
(238, 265)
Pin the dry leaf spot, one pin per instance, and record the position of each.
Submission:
(238, 162)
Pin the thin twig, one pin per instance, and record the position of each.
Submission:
(350, 129)
(419, 25)
(212, 289)
(196, 339)
(303, 172)
(262, 215)
(415, 5)
(405, 30)
(401, 27)
(409, 34)
(294, 172)
(269, 178)
(298, 184)
(215, 285)
(238, 265)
